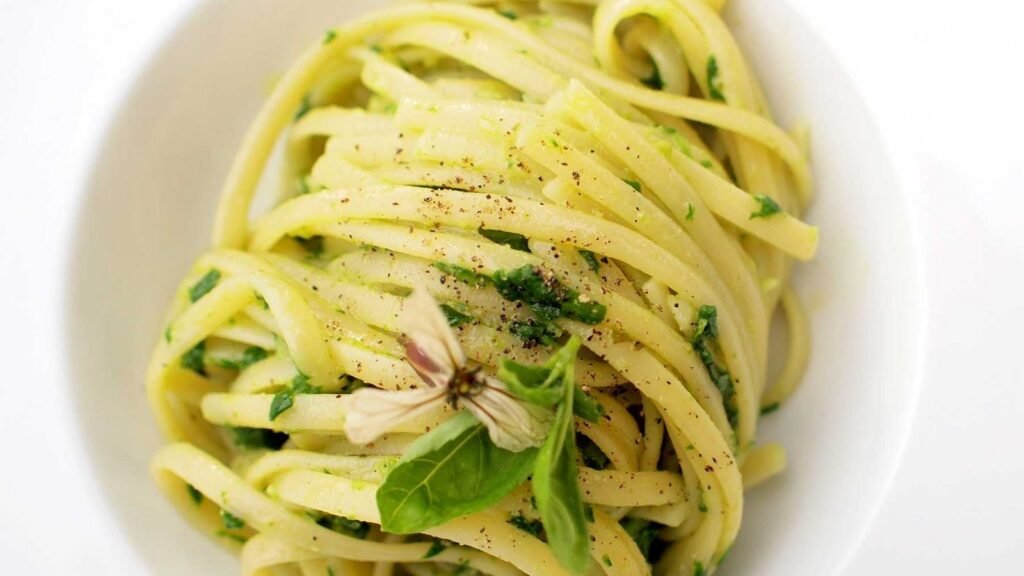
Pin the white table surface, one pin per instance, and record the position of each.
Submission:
(944, 75)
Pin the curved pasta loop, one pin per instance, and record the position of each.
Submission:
(621, 150)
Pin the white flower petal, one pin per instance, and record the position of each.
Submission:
(371, 412)
(512, 424)
(431, 346)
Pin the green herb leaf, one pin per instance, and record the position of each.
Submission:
(231, 522)
(547, 297)
(195, 495)
(204, 285)
(714, 82)
(768, 207)
(282, 401)
(510, 239)
(654, 81)
(346, 526)
(591, 260)
(698, 568)
(533, 527)
(690, 210)
(285, 399)
(167, 334)
(304, 107)
(542, 385)
(329, 36)
(644, 533)
(195, 359)
(634, 184)
(704, 335)
(314, 245)
(508, 14)
(593, 456)
(534, 332)
(455, 318)
(452, 471)
(436, 547)
(258, 438)
(770, 408)
(606, 561)
(555, 481)
(462, 274)
(539, 385)
(252, 355)
(584, 406)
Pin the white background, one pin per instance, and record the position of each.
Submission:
(947, 75)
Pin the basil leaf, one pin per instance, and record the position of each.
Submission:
(534, 384)
(591, 259)
(542, 385)
(450, 472)
(584, 406)
(555, 480)
(454, 316)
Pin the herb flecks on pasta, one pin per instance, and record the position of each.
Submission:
(510, 311)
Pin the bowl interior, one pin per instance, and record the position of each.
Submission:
(150, 202)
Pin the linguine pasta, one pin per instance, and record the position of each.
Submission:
(621, 151)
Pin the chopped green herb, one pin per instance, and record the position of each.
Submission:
(509, 14)
(707, 164)
(329, 36)
(714, 82)
(455, 318)
(330, 571)
(534, 527)
(547, 297)
(304, 107)
(698, 568)
(593, 456)
(606, 560)
(704, 335)
(231, 522)
(258, 438)
(232, 536)
(634, 184)
(376, 48)
(768, 207)
(346, 526)
(534, 332)
(770, 408)
(262, 302)
(195, 359)
(314, 245)
(204, 285)
(303, 184)
(252, 355)
(436, 547)
(282, 401)
(654, 81)
(285, 399)
(591, 259)
(195, 495)
(462, 274)
(510, 239)
(167, 334)
(690, 210)
(645, 534)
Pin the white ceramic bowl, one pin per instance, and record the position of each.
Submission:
(151, 198)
